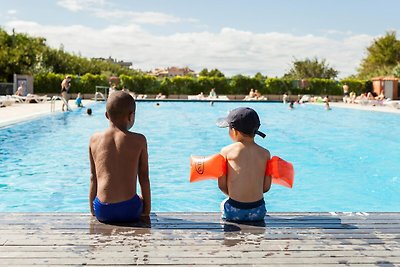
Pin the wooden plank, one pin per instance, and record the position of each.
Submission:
(149, 247)
(266, 260)
(189, 253)
(300, 239)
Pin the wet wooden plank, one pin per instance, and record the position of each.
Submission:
(183, 239)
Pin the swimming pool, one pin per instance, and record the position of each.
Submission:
(345, 160)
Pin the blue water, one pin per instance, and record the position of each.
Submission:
(345, 160)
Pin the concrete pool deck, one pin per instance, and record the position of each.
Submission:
(23, 112)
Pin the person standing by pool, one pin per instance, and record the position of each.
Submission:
(245, 181)
(118, 158)
(212, 94)
(65, 86)
(345, 93)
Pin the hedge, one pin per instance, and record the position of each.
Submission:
(239, 84)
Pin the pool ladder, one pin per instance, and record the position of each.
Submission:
(53, 103)
(99, 97)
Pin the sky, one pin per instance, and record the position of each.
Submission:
(234, 36)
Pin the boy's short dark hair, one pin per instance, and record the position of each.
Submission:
(120, 104)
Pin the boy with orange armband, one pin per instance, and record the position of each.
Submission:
(245, 181)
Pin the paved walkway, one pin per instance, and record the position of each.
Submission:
(23, 112)
(388, 109)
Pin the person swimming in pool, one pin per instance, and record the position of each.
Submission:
(245, 181)
(118, 158)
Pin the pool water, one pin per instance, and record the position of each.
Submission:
(345, 160)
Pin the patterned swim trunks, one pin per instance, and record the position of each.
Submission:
(233, 210)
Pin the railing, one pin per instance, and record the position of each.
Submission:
(53, 103)
(97, 95)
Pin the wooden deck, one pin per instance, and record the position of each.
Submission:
(186, 239)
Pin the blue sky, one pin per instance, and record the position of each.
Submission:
(234, 36)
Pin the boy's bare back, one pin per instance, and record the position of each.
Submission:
(246, 163)
(118, 158)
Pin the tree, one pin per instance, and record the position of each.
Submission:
(19, 53)
(382, 56)
(211, 73)
(396, 71)
(311, 68)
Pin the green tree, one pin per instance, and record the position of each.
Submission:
(211, 73)
(19, 53)
(382, 56)
(396, 71)
(311, 68)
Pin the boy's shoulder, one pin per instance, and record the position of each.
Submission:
(95, 136)
(225, 150)
(237, 147)
(137, 136)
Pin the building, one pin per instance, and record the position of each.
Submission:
(122, 63)
(389, 86)
(172, 72)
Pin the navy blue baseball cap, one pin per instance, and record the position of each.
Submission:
(244, 120)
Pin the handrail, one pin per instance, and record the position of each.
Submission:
(99, 94)
(53, 103)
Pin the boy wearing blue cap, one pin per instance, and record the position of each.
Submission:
(245, 181)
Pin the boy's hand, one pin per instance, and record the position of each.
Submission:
(145, 219)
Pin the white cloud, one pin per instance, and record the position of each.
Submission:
(230, 50)
(156, 18)
(12, 12)
(77, 5)
(106, 10)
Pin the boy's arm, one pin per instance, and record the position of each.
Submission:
(267, 178)
(267, 183)
(93, 182)
(222, 181)
(144, 180)
(222, 184)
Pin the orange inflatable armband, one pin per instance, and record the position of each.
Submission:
(210, 167)
(214, 166)
(282, 172)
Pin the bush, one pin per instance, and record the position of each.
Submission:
(358, 86)
(277, 86)
(47, 83)
(239, 84)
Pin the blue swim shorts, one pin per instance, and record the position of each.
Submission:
(233, 210)
(121, 212)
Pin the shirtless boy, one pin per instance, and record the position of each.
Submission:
(117, 158)
(245, 181)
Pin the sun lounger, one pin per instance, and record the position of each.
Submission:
(6, 101)
(31, 98)
(141, 97)
(223, 97)
(199, 97)
(392, 103)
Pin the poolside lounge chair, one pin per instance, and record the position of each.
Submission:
(6, 101)
(392, 103)
(30, 98)
(141, 97)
